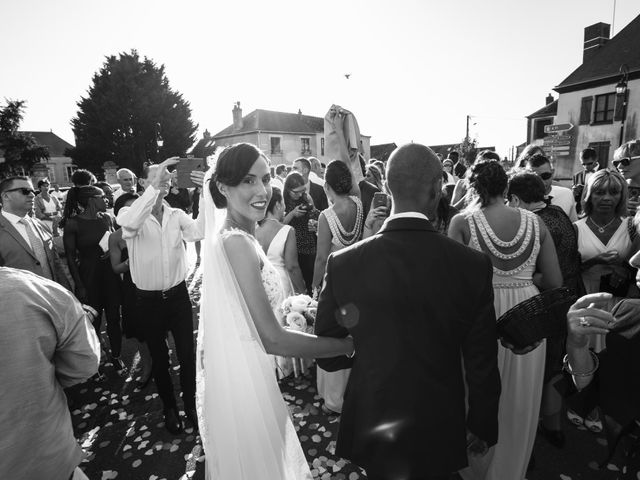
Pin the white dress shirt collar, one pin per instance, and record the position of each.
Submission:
(419, 215)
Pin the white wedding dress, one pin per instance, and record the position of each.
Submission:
(246, 429)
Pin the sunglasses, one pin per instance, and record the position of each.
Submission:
(545, 175)
(625, 162)
(24, 191)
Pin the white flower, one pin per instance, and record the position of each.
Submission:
(296, 321)
(300, 303)
(286, 305)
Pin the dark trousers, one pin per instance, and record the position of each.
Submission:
(453, 476)
(307, 263)
(158, 316)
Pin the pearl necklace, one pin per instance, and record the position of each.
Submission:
(601, 229)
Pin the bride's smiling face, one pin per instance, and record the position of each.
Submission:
(251, 196)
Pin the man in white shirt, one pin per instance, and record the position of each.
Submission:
(127, 180)
(155, 234)
(25, 242)
(557, 195)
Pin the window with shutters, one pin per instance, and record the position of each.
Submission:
(276, 148)
(605, 104)
(602, 149)
(585, 110)
(538, 127)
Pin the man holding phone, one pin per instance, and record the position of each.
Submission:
(155, 234)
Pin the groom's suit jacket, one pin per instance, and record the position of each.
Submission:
(418, 306)
(16, 253)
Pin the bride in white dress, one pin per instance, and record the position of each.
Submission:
(246, 429)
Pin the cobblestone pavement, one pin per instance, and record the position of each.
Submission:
(122, 431)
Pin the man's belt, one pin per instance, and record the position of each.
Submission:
(161, 294)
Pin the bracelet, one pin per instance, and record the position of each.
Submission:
(567, 368)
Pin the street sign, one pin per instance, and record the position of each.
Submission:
(557, 140)
(561, 148)
(558, 127)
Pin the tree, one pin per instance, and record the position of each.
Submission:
(129, 108)
(20, 150)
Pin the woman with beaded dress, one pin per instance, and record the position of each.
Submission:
(339, 226)
(246, 429)
(519, 245)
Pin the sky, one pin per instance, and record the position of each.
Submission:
(418, 67)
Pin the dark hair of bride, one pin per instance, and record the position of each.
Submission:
(338, 176)
(234, 163)
(488, 180)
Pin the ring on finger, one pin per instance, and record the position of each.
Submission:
(584, 322)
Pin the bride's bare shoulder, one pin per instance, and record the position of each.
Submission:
(239, 246)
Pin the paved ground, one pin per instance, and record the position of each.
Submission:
(122, 432)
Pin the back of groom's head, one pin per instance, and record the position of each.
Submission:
(414, 176)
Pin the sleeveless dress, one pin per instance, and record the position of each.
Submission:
(521, 375)
(331, 385)
(275, 253)
(258, 423)
(589, 246)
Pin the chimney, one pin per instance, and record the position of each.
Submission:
(549, 99)
(595, 36)
(237, 116)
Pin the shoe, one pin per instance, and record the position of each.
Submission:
(554, 437)
(574, 418)
(594, 425)
(192, 416)
(119, 365)
(328, 411)
(172, 421)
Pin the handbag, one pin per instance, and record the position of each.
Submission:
(541, 316)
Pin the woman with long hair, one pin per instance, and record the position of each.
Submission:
(339, 226)
(119, 256)
(245, 425)
(85, 240)
(302, 215)
(519, 245)
(279, 243)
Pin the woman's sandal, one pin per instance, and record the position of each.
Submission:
(574, 418)
(594, 426)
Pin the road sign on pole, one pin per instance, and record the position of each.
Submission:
(558, 127)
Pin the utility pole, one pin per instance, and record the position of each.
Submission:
(466, 137)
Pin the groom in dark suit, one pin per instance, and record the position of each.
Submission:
(420, 309)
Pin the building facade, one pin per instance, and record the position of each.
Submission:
(282, 136)
(598, 104)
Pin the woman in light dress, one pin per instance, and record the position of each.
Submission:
(604, 240)
(246, 429)
(339, 226)
(518, 244)
(47, 207)
(279, 243)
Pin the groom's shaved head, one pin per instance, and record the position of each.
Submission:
(413, 173)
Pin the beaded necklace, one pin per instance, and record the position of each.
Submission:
(337, 230)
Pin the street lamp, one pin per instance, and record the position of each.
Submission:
(621, 91)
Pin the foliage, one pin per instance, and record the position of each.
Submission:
(129, 108)
(20, 150)
(468, 149)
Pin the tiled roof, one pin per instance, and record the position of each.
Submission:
(54, 143)
(382, 151)
(449, 147)
(270, 121)
(605, 63)
(548, 110)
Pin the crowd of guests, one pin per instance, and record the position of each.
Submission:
(124, 251)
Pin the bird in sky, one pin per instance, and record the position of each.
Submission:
(347, 75)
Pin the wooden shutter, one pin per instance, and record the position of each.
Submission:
(585, 110)
(618, 113)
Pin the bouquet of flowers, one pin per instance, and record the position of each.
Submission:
(299, 313)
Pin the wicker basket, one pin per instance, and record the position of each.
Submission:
(542, 316)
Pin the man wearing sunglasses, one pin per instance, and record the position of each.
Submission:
(589, 161)
(25, 242)
(626, 159)
(555, 194)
